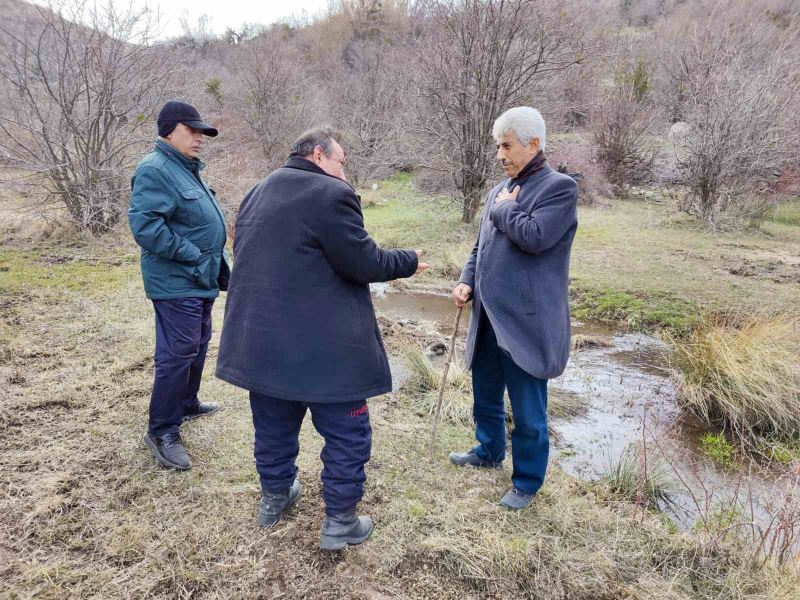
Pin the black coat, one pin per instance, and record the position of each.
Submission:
(299, 322)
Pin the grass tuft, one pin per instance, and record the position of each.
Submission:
(422, 386)
(745, 375)
(632, 478)
(787, 213)
(563, 404)
(719, 449)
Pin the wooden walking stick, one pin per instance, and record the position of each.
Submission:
(444, 380)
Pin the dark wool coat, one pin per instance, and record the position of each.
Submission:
(299, 322)
(519, 271)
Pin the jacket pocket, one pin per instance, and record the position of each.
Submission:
(193, 211)
(202, 270)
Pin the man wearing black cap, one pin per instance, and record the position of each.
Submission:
(175, 218)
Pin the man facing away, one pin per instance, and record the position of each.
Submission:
(517, 277)
(300, 331)
(176, 220)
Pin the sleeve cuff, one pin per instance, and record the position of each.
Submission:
(414, 261)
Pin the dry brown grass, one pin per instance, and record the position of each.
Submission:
(86, 513)
(744, 373)
(422, 387)
(424, 382)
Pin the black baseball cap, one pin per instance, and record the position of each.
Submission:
(175, 112)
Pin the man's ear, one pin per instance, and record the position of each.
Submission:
(534, 145)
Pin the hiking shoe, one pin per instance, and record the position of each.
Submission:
(516, 499)
(169, 451)
(274, 504)
(202, 409)
(340, 530)
(470, 458)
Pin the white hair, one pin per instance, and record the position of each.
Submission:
(526, 122)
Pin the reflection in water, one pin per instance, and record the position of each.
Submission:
(631, 398)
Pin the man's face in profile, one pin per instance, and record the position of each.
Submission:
(335, 163)
(186, 140)
(513, 154)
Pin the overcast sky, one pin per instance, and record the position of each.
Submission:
(223, 13)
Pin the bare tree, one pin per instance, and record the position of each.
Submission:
(363, 98)
(80, 85)
(199, 36)
(730, 72)
(275, 92)
(365, 106)
(478, 58)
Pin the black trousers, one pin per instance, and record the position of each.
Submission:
(348, 443)
(183, 329)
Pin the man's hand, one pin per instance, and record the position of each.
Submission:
(421, 266)
(506, 195)
(462, 294)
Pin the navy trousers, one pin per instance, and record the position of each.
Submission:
(492, 372)
(183, 329)
(348, 443)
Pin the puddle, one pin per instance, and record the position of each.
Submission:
(437, 310)
(631, 396)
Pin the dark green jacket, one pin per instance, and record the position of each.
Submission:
(176, 220)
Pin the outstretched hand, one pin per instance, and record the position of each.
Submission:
(421, 266)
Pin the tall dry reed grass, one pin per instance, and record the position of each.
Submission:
(743, 373)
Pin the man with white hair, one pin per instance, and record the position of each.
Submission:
(517, 277)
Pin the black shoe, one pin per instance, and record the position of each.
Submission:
(203, 409)
(470, 458)
(339, 531)
(274, 504)
(169, 451)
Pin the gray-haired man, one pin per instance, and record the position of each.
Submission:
(517, 277)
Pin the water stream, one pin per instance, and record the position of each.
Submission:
(631, 397)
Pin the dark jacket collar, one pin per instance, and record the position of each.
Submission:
(298, 162)
(195, 165)
(536, 164)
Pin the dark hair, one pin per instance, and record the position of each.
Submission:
(316, 136)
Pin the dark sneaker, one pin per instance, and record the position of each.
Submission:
(274, 504)
(203, 409)
(340, 530)
(169, 451)
(470, 458)
(516, 499)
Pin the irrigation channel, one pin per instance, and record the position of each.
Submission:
(630, 397)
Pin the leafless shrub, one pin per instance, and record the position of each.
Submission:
(622, 126)
(81, 84)
(275, 93)
(574, 155)
(367, 108)
(477, 58)
(645, 12)
(730, 72)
